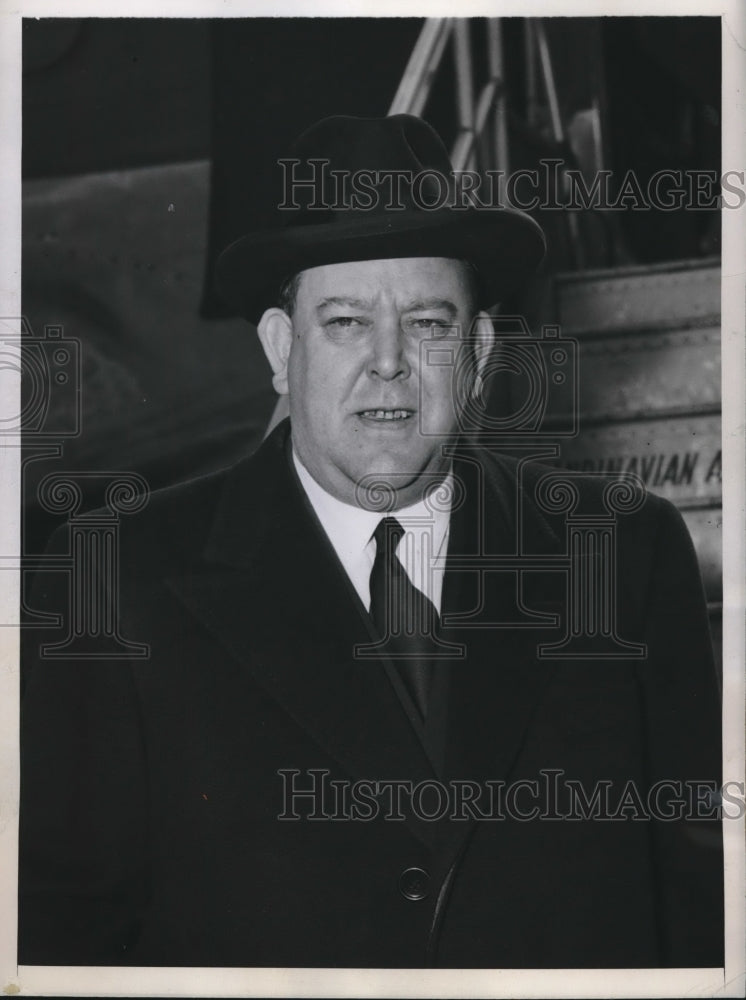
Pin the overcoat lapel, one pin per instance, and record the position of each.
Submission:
(495, 689)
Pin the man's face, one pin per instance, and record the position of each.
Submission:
(359, 393)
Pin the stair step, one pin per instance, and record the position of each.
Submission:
(657, 296)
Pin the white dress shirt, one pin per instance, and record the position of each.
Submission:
(350, 530)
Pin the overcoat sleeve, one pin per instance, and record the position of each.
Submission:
(682, 712)
(83, 873)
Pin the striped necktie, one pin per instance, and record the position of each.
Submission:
(402, 614)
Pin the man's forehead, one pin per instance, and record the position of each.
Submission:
(418, 277)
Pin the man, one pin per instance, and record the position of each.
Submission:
(350, 625)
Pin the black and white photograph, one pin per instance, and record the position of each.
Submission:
(372, 438)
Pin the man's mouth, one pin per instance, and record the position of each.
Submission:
(386, 415)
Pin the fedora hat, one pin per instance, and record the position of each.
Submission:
(369, 189)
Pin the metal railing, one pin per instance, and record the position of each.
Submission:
(478, 116)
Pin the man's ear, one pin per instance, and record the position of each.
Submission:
(275, 331)
(483, 339)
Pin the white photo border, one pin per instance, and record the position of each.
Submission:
(72, 981)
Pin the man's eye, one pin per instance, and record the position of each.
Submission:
(432, 324)
(343, 322)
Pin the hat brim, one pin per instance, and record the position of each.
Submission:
(504, 245)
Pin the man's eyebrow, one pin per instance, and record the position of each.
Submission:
(421, 304)
(343, 300)
(417, 306)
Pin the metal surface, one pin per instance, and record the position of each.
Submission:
(481, 118)
(464, 74)
(668, 295)
(414, 89)
(678, 457)
(163, 391)
(549, 82)
(497, 74)
(650, 387)
(637, 374)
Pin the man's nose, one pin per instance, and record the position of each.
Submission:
(388, 356)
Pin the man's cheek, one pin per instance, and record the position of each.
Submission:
(440, 412)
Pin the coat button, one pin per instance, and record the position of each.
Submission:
(414, 883)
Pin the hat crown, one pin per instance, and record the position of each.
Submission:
(399, 142)
(346, 163)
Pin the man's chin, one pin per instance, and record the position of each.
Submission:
(393, 484)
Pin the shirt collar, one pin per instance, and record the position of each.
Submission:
(345, 520)
(350, 528)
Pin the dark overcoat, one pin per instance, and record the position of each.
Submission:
(152, 788)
